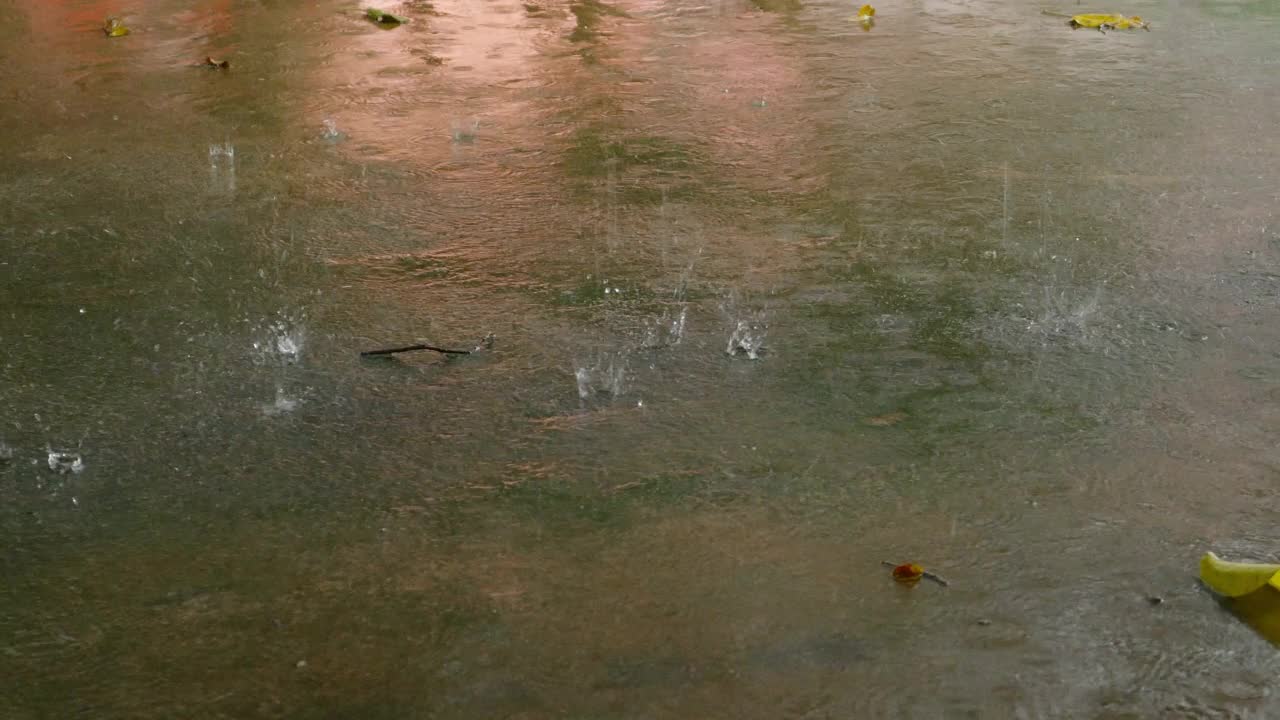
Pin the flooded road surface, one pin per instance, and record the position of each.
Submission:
(775, 297)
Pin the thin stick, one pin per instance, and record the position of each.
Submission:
(927, 574)
(411, 348)
(487, 342)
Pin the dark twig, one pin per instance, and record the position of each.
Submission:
(411, 348)
(485, 343)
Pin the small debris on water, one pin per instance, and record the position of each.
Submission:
(1103, 22)
(910, 573)
(114, 28)
(301, 664)
(1155, 600)
(887, 419)
(866, 16)
(983, 622)
(383, 18)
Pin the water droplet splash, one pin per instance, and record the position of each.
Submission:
(222, 166)
(62, 461)
(607, 377)
(665, 331)
(280, 342)
(464, 132)
(748, 336)
(283, 404)
(331, 132)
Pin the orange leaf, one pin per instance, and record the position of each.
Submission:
(908, 572)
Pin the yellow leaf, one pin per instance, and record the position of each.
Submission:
(113, 28)
(1234, 579)
(908, 573)
(1104, 21)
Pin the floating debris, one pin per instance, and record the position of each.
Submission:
(887, 419)
(383, 18)
(866, 16)
(910, 573)
(65, 462)
(1250, 590)
(1103, 22)
(485, 343)
(6, 452)
(217, 64)
(114, 28)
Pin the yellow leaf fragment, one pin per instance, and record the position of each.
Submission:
(114, 28)
(1105, 21)
(908, 573)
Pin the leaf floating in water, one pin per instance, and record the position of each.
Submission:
(866, 16)
(1250, 590)
(383, 18)
(908, 573)
(217, 64)
(1103, 22)
(114, 28)
(887, 419)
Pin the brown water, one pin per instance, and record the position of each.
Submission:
(1013, 291)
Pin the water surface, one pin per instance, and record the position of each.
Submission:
(1011, 292)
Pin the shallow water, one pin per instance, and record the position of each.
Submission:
(1011, 292)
